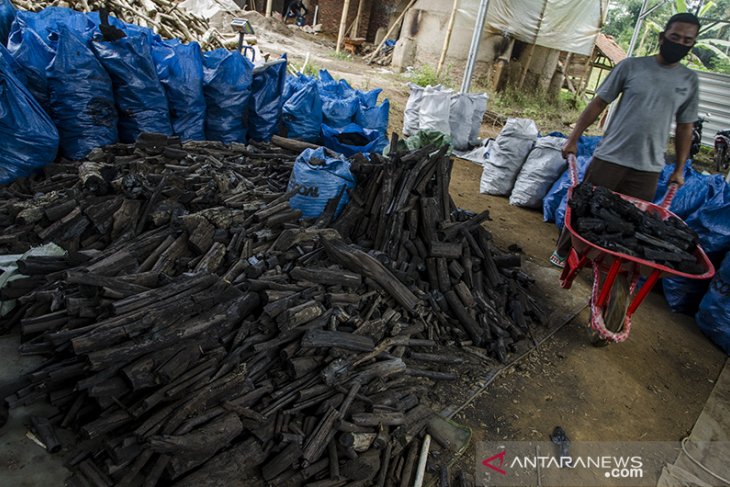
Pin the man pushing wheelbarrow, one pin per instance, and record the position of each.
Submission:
(655, 91)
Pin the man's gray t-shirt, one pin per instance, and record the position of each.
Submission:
(653, 97)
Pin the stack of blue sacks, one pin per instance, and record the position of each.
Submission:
(324, 110)
(68, 90)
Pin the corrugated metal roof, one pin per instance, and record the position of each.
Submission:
(715, 100)
(610, 48)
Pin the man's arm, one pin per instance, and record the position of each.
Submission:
(586, 119)
(682, 144)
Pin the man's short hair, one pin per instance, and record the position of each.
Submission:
(684, 17)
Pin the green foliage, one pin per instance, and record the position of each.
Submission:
(549, 114)
(312, 69)
(425, 75)
(712, 45)
(341, 56)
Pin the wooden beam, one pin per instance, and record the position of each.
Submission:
(356, 24)
(372, 55)
(343, 25)
(526, 66)
(447, 40)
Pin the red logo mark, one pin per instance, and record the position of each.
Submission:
(498, 456)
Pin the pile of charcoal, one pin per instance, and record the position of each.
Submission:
(197, 332)
(604, 218)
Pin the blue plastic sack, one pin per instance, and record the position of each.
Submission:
(339, 111)
(327, 84)
(684, 295)
(13, 66)
(180, 70)
(697, 190)
(557, 197)
(33, 56)
(48, 23)
(330, 138)
(374, 117)
(713, 317)
(227, 88)
(302, 114)
(293, 84)
(28, 137)
(129, 29)
(7, 15)
(139, 96)
(587, 145)
(369, 99)
(266, 102)
(712, 221)
(317, 179)
(81, 98)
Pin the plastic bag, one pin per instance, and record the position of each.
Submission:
(33, 56)
(293, 84)
(712, 221)
(13, 66)
(369, 99)
(461, 117)
(435, 110)
(327, 84)
(7, 15)
(713, 317)
(48, 23)
(138, 94)
(695, 192)
(412, 114)
(374, 117)
(316, 179)
(480, 108)
(507, 155)
(684, 295)
(543, 167)
(338, 111)
(302, 114)
(265, 104)
(180, 70)
(353, 139)
(28, 138)
(422, 139)
(227, 88)
(81, 98)
(583, 164)
(557, 196)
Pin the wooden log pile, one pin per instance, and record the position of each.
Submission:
(198, 333)
(165, 17)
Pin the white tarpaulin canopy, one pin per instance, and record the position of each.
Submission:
(566, 25)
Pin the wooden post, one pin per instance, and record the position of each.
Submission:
(501, 63)
(372, 55)
(356, 24)
(526, 66)
(447, 40)
(343, 25)
(269, 7)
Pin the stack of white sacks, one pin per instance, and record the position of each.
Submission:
(522, 166)
(438, 108)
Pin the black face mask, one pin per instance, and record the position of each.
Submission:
(673, 52)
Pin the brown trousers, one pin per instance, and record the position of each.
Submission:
(621, 179)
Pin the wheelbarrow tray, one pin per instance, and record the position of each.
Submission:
(589, 251)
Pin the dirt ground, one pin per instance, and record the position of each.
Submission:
(653, 387)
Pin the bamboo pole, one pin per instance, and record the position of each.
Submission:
(356, 24)
(343, 25)
(526, 67)
(372, 55)
(447, 40)
(269, 7)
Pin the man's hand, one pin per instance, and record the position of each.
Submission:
(677, 178)
(570, 147)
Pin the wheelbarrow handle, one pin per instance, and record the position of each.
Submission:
(669, 197)
(573, 168)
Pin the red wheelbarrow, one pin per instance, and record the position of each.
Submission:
(616, 296)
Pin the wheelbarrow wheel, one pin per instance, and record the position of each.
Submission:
(614, 313)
